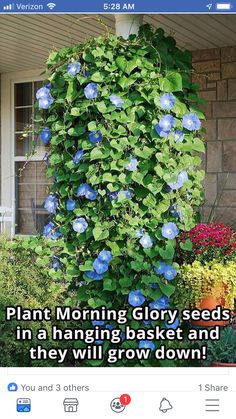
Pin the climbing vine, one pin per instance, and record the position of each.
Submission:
(123, 127)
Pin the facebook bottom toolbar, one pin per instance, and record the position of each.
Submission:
(105, 392)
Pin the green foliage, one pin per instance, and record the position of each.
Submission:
(198, 280)
(224, 349)
(22, 283)
(138, 70)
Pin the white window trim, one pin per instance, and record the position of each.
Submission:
(8, 81)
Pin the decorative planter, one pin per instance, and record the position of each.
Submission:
(211, 302)
(222, 364)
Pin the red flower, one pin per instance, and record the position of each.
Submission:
(213, 236)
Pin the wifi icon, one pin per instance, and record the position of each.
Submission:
(51, 6)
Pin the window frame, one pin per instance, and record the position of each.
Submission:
(8, 158)
(37, 157)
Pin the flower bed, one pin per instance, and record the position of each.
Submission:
(208, 242)
(207, 277)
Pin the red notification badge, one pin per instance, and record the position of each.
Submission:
(125, 399)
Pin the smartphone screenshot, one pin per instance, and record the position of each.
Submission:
(117, 209)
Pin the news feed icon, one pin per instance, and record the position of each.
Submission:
(12, 387)
(23, 405)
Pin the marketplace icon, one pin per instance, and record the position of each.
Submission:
(70, 405)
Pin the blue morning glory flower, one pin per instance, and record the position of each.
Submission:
(98, 322)
(51, 203)
(191, 122)
(160, 303)
(154, 286)
(95, 137)
(140, 233)
(175, 186)
(91, 194)
(43, 92)
(132, 165)
(46, 102)
(80, 225)
(82, 189)
(109, 326)
(81, 283)
(178, 136)
(100, 266)
(93, 275)
(182, 178)
(166, 123)
(113, 196)
(116, 100)
(160, 269)
(146, 344)
(55, 263)
(147, 322)
(170, 272)
(105, 256)
(73, 68)
(87, 191)
(175, 211)
(146, 241)
(50, 231)
(45, 135)
(86, 73)
(78, 156)
(70, 205)
(167, 101)
(169, 231)
(173, 325)
(91, 91)
(136, 298)
(56, 234)
(125, 194)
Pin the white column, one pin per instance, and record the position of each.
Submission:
(128, 24)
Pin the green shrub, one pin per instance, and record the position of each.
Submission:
(222, 350)
(23, 283)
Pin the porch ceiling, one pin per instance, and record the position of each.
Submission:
(25, 40)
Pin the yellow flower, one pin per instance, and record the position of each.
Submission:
(196, 281)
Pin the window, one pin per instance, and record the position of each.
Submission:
(31, 183)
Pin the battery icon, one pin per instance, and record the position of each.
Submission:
(224, 6)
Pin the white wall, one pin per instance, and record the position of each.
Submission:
(128, 24)
(7, 132)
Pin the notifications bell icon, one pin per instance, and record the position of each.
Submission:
(165, 405)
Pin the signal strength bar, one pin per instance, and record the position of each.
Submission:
(8, 7)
